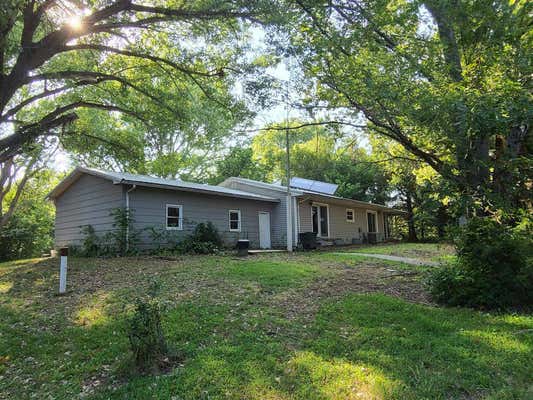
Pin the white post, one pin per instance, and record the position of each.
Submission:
(63, 270)
(289, 223)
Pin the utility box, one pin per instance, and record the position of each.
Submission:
(243, 245)
(308, 240)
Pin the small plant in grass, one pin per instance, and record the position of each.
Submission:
(147, 341)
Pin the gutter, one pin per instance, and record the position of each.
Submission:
(128, 214)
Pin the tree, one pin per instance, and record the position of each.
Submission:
(239, 162)
(325, 153)
(29, 230)
(448, 80)
(98, 75)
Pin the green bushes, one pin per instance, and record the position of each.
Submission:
(493, 269)
(145, 333)
(121, 241)
(205, 239)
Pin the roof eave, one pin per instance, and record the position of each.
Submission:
(196, 190)
(355, 203)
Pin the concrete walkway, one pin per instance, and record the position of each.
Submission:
(406, 260)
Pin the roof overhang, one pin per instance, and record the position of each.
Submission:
(316, 197)
(80, 171)
(197, 190)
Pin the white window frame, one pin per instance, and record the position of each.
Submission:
(353, 215)
(319, 233)
(180, 218)
(229, 220)
(377, 224)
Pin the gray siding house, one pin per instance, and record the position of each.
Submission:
(265, 214)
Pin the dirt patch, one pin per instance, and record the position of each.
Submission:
(367, 278)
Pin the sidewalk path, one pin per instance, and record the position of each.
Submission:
(406, 260)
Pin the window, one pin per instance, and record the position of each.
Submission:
(349, 215)
(174, 217)
(235, 220)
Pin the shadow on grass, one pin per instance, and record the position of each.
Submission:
(361, 346)
(364, 346)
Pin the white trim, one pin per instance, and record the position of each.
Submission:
(353, 215)
(319, 233)
(180, 218)
(376, 221)
(239, 220)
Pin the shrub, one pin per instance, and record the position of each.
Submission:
(493, 268)
(147, 341)
(113, 242)
(90, 245)
(205, 239)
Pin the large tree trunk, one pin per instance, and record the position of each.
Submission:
(412, 237)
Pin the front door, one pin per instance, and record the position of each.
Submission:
(320, 217)
(264, 230)
(372, 227)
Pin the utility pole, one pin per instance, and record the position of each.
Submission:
(288, 168)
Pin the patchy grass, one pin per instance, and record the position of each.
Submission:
(423, 251)
(275, 326)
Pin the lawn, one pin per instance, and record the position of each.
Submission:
(422, 251)
(303, 326)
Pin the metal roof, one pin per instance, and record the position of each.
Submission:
(314, 186)
(315, 195)
(151, 181)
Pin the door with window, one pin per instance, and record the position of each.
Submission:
(371, 221)
(320, 217)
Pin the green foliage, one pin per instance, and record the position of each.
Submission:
(317, 152)
(145, 333)
(29, 232)
(90, 245)
(494, 268)
(449, 81)
(122, 240)
(205, 239)
(239, 162)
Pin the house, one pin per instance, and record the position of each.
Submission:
(266, 214)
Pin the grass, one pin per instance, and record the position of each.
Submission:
(304, 326)
(423, 251)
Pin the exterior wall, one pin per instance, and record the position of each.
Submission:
(88, 201)
(279, 212)
(149, 210)
(339, 228)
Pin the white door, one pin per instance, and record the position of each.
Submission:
(264, 230)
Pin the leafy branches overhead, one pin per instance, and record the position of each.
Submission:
(448, 80)
(58, 57)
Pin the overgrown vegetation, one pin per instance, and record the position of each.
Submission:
(307, 326)
(493, 269)
(205, 239)
(145, 332)
(124, 239)
(120, 241)
(29, 230)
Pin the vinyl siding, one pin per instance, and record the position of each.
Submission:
(149, 210)
(88, 201)
(279, 211)
(339, 227)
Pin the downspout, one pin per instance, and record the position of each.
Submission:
(128, 215)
